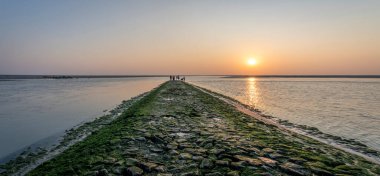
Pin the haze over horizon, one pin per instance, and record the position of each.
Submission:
(287, 37)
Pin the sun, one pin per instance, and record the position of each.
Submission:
(251, 61)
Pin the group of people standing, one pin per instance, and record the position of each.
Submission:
(173, 78)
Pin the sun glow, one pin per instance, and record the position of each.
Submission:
(251, 61)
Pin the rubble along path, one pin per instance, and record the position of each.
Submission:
(178, 129)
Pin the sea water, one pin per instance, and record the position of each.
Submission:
(33, 110)
(346, 107)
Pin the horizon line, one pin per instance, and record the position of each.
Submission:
(69, 76)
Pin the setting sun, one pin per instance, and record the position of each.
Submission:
(251, 61)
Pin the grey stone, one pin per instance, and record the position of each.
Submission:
(319, 171)
(103, 172)
(297, 160)
(161, 174)
(239, 165)
(268, 161)
(197, 158)
(185, 156)
(275, 156)
(160, 168)
(214, 174)
(216, 151)
(147, 166)
(2, 170)
(133, 171)
(251, 161)
(174, 152)
(141, 139)
(268, 150)
(233, 173)
(294, 169)
(157, 150)
(117, 170)
(221, 162)
(191, 173)
(181, 140)
(131, 151)
(208, 145)
(131, 161)
(170, 146)
(206, 163)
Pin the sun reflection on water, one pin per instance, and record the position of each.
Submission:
(252, 92)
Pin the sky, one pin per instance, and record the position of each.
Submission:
(189, 37)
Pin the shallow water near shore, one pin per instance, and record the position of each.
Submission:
(346, 107)
(35, 110)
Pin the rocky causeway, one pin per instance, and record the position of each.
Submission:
(179, 130)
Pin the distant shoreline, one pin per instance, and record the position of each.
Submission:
(4, 77)
(10, 77)
(304, 76)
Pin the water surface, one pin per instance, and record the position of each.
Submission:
(347, 107)
(35, 109)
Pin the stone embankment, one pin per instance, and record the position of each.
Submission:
(179, 130)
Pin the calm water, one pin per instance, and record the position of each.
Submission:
(348, 107)
(32, 110)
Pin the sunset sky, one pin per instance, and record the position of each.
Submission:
(189, 37)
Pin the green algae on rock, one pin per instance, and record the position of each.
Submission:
(31, 158)
(178, 129)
